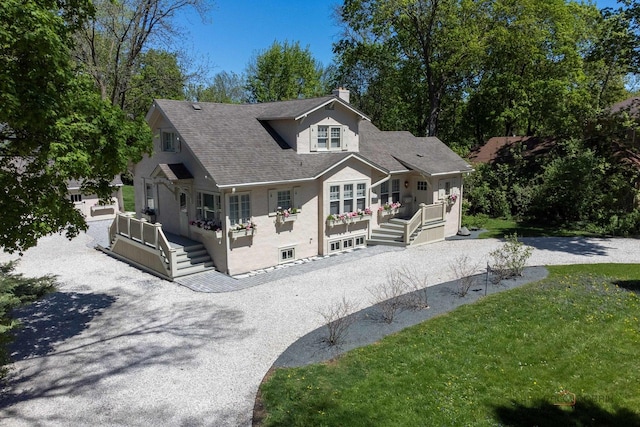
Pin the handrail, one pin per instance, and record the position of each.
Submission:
(413, 224)
(149, 234)
(425, 214)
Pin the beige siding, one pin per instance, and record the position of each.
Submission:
(263, 248)
(338, 116)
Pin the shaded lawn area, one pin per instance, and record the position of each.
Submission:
(128, 197)
(500, 227)
(514, 358)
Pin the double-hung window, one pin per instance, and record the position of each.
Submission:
(239, 209)
(395, 190)
(169, 142)
(334, 199)
(329, 138)
(208, 206)
(361, 196)
(347, 198)
(384, 192)
(284, 199)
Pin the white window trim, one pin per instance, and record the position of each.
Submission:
(288, 260)
(341, 241)
(200, 205)
(313, 137)
(442, 188)
(176, 141)
(354, 195)
(239, 195)
(273, 199)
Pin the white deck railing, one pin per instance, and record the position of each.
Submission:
(148, 234)
(424, 215)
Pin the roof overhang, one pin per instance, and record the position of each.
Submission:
(427, 173)
(311, 178)
(333, 101)
(173, 172)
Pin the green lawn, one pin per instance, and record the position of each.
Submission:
(129, 198)
(500, 227)
(504, 360)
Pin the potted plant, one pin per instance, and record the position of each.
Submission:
(149, 214)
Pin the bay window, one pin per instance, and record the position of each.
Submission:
(239, 209)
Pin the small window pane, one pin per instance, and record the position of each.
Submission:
(322, 137)
(284, 199)
(362, 190)
(334, 192)
(348, 191)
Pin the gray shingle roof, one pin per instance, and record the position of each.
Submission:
(236, 146)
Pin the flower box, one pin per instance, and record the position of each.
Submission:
(242, 232)
(286, 218)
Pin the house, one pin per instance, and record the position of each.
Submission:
(91, 206)
(257, 185)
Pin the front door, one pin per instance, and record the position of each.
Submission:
(184, 215)
(422, 192)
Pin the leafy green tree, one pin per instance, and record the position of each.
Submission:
(157, 76)
(54, 126)
(412, 53)
(284, 71)
(226, 88)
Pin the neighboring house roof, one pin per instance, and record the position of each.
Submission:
(631, 105)
(499, 148)
(236, 145)
(76, 185)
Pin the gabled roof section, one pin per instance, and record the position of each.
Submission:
(400, 151)
(299, 108)
(237, 147)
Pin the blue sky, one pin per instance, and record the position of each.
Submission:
(236, 30)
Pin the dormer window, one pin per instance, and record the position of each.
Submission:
(328, 138)
(169, 142)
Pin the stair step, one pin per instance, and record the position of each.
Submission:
(373, 241)
(194, 269)
(193, 261)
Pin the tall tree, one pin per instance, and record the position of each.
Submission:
(158, 75)
(427, 47)
(227, 88)
(284, 71)
(54, 126)
(110, 44)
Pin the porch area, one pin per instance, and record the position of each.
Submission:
(426, 225)
(146, 246)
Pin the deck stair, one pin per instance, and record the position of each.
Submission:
(192, 259)
(391, 233)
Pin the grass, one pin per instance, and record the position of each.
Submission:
(500, 227)
(128, 197)
(505, 360)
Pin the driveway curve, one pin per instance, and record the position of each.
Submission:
(116, 346)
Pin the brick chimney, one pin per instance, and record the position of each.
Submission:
(342, 93)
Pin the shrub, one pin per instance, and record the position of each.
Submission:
(510, 259)
(338, 320)
(464, 272)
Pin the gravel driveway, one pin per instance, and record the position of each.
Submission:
(116, 346)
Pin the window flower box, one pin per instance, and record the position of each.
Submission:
(349, 217)
(286, 215)
(206, 227)
(243, 230)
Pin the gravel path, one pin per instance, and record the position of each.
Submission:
(116, 346)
